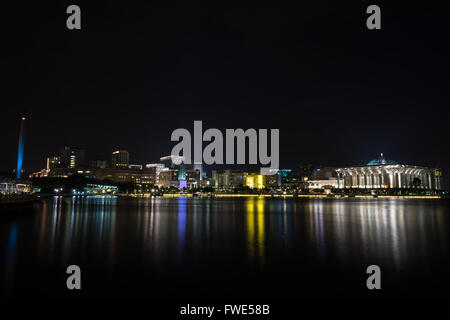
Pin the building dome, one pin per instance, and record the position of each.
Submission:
(380, 161)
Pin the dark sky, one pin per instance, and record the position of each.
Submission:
(339, 93)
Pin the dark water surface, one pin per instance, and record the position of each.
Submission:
(191, 249)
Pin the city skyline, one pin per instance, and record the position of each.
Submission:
(272, 70)
(225, 161)
(110, 161)
(379, 173)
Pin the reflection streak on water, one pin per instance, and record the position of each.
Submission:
(107, 231)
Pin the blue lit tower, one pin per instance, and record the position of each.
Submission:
(20, 148)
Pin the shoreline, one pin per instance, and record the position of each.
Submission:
(315, 196)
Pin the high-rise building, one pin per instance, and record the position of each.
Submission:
(120, 159)
(72, 157)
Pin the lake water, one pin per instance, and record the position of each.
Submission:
(200, 249)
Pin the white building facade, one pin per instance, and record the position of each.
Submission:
(387, 174)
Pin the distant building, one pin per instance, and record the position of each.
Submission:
(135, 166)
(168, 178)
(322, 173)
(206, 183)
(290, 177)
(228, 179)
(331, 183)
(9, 188)
(157, 167)
(120, 159)
(40, 174)
(126, 175)
(67, 172)
(255, 181)
(272, 181)
(178, 163)
(193, 178)
(99, 163)
(61, 172)
(280, 177)
(72, 157)
(382, 173)
(199, 167)
(94, 189)
(53, 162)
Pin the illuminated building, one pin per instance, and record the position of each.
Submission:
(125, 175)
(319, 184)
(178, 163)
(53, 162)
(67, 172)
(72, 157)
(255, 181)
(228, 179)
(168, 178)
(135, 166)
(219, 179)
(39, 174)
(193, 178)
(6, 187)
(120, 159)
(272, 181)
(157, 167)
(9, 188)
(206, 182)
(382, 173)
(100, 189)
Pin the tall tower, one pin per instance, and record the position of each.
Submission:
(20, 148)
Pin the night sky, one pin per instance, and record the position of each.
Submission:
(339, 93)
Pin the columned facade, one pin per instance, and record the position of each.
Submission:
(389, 176)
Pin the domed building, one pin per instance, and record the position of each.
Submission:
(383, 173)
(380, 161)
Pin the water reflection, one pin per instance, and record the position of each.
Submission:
(395, 232)
(10, 258)
(181, 224)
(256, 230)
(112, 233)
